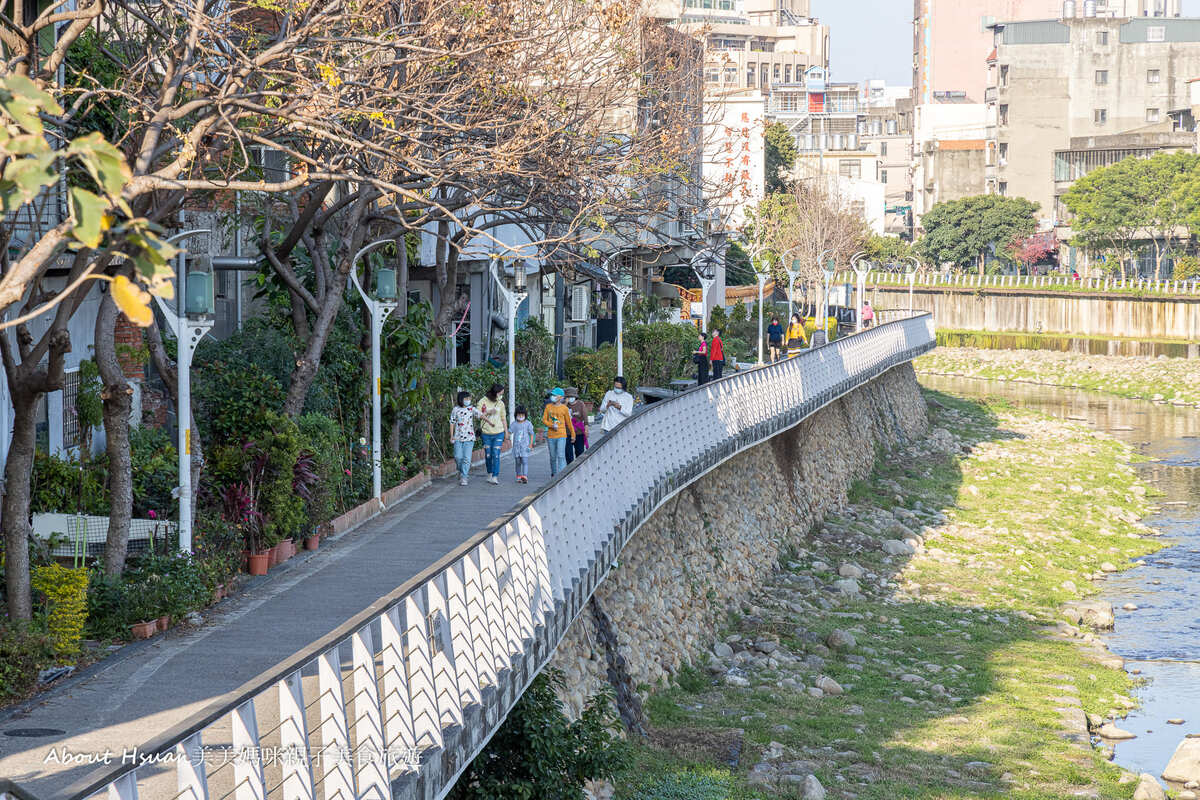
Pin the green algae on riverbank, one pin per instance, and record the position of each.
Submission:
(1160, 379)
(903, 650)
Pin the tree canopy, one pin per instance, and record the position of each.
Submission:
(962, 232)
(780, 156)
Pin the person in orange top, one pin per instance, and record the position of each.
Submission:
(557, 419)
(716, 354)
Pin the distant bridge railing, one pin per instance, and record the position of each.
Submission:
(397, 701)
(899, 280)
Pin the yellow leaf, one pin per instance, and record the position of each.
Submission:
(132, 300)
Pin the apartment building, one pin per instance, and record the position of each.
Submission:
(1063, 88)
(885, 129)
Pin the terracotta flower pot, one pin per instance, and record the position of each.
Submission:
(259, 563)
(273, 556)
(164, 622)
(289, 548)
(144, 630)
(218, 593)
(312, 542)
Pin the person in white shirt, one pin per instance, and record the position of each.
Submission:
(617, 405)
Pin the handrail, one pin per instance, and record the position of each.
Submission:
(962, 280)
(436, 664)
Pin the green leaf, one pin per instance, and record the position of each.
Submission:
(25, 177)
(91, 215)
(21, 98)
(103, 160)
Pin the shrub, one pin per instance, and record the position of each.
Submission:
(65, 591)
(1187, 268)
(592, 371)
(539, 753)
(107, 607)
(23, 653)
(230, 400)
(155, 472)
(67, 486)
(686, 786)
(321, 440)
(665, 349)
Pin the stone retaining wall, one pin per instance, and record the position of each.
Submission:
(710, 544)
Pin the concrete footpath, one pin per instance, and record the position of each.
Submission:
(147, 687)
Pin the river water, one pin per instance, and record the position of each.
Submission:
(1160, 641)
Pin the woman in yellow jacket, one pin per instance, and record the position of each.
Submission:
(557, 419)
(796, 337)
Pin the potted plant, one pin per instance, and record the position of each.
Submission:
(313, 540)
(241, 511)
(139, 609)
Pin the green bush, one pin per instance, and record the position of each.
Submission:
(67, 486)
(155, 473)
(592, 371)
(686, 786)
(107, 607)
(539, 753)
(229, 400)
(665, 349)
(23, 653)
(321, 439)
(1187, 268)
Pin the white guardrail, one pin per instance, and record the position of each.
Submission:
(396, 702)
(899, 280)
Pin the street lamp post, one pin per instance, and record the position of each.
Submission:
(793, 274)
(912, 280)
(762, 282)
(190, 320)
(512, 301)
(823, 327)
(861, 289)
(703, 266)
(620, 292)
(380, 307)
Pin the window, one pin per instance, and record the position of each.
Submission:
(1003, 188)
(1003, 153)
(1100, 116)
(712, 74)
(850, 168)
(891, 127)
(1004, 74)
(883, 176)
(1101, 37)
(787, 74)
(731, 75)
(1152, 115)
(1156, 33)
(750, 75)
(1153, 76)
(1004, 114)
(1102, 77)
(762, 76)
(775, 72)
(883, 148)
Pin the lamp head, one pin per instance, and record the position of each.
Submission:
(520, 279)
(199, 300)
(385, 284)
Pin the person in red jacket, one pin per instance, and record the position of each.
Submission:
(716, 354)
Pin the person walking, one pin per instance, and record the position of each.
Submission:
(493, 424)
(617, 405)
(462, 434)
(522, 444)
(559, 430)
(579, 414)
(868, 314)
(701, 359)
(716, 354)
(796, 337)
(775, 338)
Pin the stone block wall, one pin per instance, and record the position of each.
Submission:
(709, 545)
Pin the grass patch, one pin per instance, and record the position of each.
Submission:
(954, 689)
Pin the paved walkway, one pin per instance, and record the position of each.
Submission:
(148, 687)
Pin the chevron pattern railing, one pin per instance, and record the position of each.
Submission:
(396, 702)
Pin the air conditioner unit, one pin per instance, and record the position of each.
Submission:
(581, 298)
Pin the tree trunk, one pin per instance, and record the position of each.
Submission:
(18, 479)
(306, 366)
(118, 403)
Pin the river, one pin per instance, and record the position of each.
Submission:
(1160, 640)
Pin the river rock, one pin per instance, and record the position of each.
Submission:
(1184, 766)
(1175, 721)
(851, 571)
(813, 790)
(895, 547)
(1108, 566)
(847, 586)
(722, 650)
(828, 685)
(1096, 613)
(1110, 731)
(841, 640)
(1148, 789)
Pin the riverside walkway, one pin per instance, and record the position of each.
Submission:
(149, 687)
(394, 700)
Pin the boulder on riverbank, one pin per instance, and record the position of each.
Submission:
(1095, 613)
(1148, 789)
(1184, 766)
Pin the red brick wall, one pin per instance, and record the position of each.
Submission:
(130, 335)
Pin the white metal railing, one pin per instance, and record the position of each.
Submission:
(1050, 282)
(396, 702)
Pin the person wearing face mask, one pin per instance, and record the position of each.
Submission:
(617, 405)
(522, 439)
(462, 434)
(716, 354)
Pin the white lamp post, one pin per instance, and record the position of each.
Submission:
(762, 282)
(912, 281)
(512, 301)
(380, 307)
(620, 292)
(704, 266)
(861, 289)
(823, 324)
(792, 274)
(190, 320)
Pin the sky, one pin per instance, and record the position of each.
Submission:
(873, 38)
